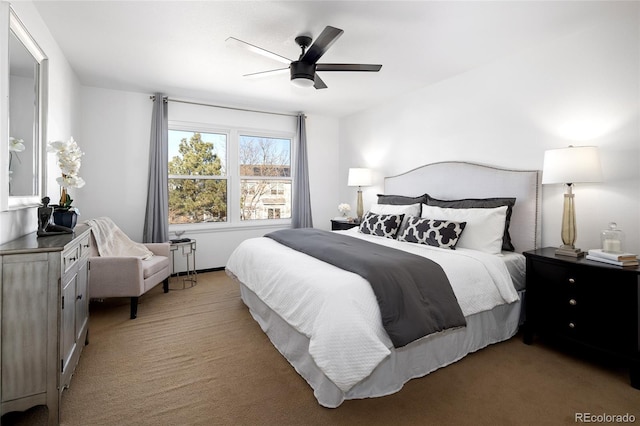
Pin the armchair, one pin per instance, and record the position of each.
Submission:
(116, 274)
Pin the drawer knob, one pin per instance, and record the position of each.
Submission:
(79, 297)
(573, 302)
(572, 281)
(572, 325)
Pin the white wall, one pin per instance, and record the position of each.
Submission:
(581, 89)
(63, 111)
(115, 137)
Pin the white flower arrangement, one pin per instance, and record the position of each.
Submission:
(344, 208)
(69, 160)
(15, 146)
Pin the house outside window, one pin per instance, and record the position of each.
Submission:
(228, 176)
(265, 177)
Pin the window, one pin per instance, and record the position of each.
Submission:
(228, 176)
(197, 177)
(265, 178)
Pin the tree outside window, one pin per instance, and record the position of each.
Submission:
(197, 177)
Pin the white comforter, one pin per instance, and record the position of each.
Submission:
(337, 309)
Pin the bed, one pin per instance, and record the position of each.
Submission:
(326, 322)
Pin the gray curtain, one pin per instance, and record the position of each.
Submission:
(156, 220)
(301, 209)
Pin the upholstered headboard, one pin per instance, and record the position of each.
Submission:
(452, 180)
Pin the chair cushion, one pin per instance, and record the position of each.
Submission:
(153, 265)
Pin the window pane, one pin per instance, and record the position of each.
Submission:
(197, 153)
(260, 156)
(265, 199)
(197, 200)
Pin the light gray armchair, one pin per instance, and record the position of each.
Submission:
(127, 276)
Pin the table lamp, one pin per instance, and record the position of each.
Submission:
(359, 177)
(575, 164)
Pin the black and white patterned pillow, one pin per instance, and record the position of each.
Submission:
(438, 233)
(382, 225)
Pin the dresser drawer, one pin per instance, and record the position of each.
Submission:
(85, 246)
(70, 258)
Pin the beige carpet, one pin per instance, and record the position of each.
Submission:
(196, 357)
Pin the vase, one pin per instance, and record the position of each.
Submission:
(65, 218)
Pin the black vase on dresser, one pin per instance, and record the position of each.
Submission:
(66, 218)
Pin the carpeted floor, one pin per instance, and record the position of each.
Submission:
(196, 357)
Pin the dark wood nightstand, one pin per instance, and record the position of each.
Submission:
(342, 225)
(589, 304)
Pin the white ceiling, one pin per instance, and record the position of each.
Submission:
(179, 48)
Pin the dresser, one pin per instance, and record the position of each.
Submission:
(44, 314)
(591, 305)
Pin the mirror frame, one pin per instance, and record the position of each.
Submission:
(11, 23)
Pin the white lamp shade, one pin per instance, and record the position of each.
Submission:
(359, 177)
(572, 165)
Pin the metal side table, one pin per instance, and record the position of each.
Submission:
(188, 251)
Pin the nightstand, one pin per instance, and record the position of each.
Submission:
(342, 225)
(589, 304)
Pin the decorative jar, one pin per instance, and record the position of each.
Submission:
(612, 239)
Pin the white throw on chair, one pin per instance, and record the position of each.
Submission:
(120, 267)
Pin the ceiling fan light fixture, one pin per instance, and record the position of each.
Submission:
(302, 73)
(302, 81)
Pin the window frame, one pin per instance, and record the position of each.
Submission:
(233, 177)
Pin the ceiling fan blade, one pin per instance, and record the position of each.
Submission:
(318, 83)
(259, 50)
(267, 73)
(322, 43)
(348, 67)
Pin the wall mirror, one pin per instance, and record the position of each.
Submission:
(27, 72)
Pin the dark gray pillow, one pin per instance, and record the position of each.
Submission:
(486, 203)
(401, 200)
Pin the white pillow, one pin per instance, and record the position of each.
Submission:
(484, 230)
(407, 210)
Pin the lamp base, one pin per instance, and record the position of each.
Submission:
(571, 251)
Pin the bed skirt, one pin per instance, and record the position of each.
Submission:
(416, 359)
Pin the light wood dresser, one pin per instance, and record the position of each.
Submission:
(44, 313)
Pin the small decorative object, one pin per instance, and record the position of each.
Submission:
(612, 239)
(344, 208)
(69, 160)
(45, 227)
(179, 238)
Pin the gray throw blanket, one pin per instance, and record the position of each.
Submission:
(414, 293)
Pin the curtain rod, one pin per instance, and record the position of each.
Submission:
(167, 99)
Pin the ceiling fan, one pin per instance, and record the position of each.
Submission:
(303, 71)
